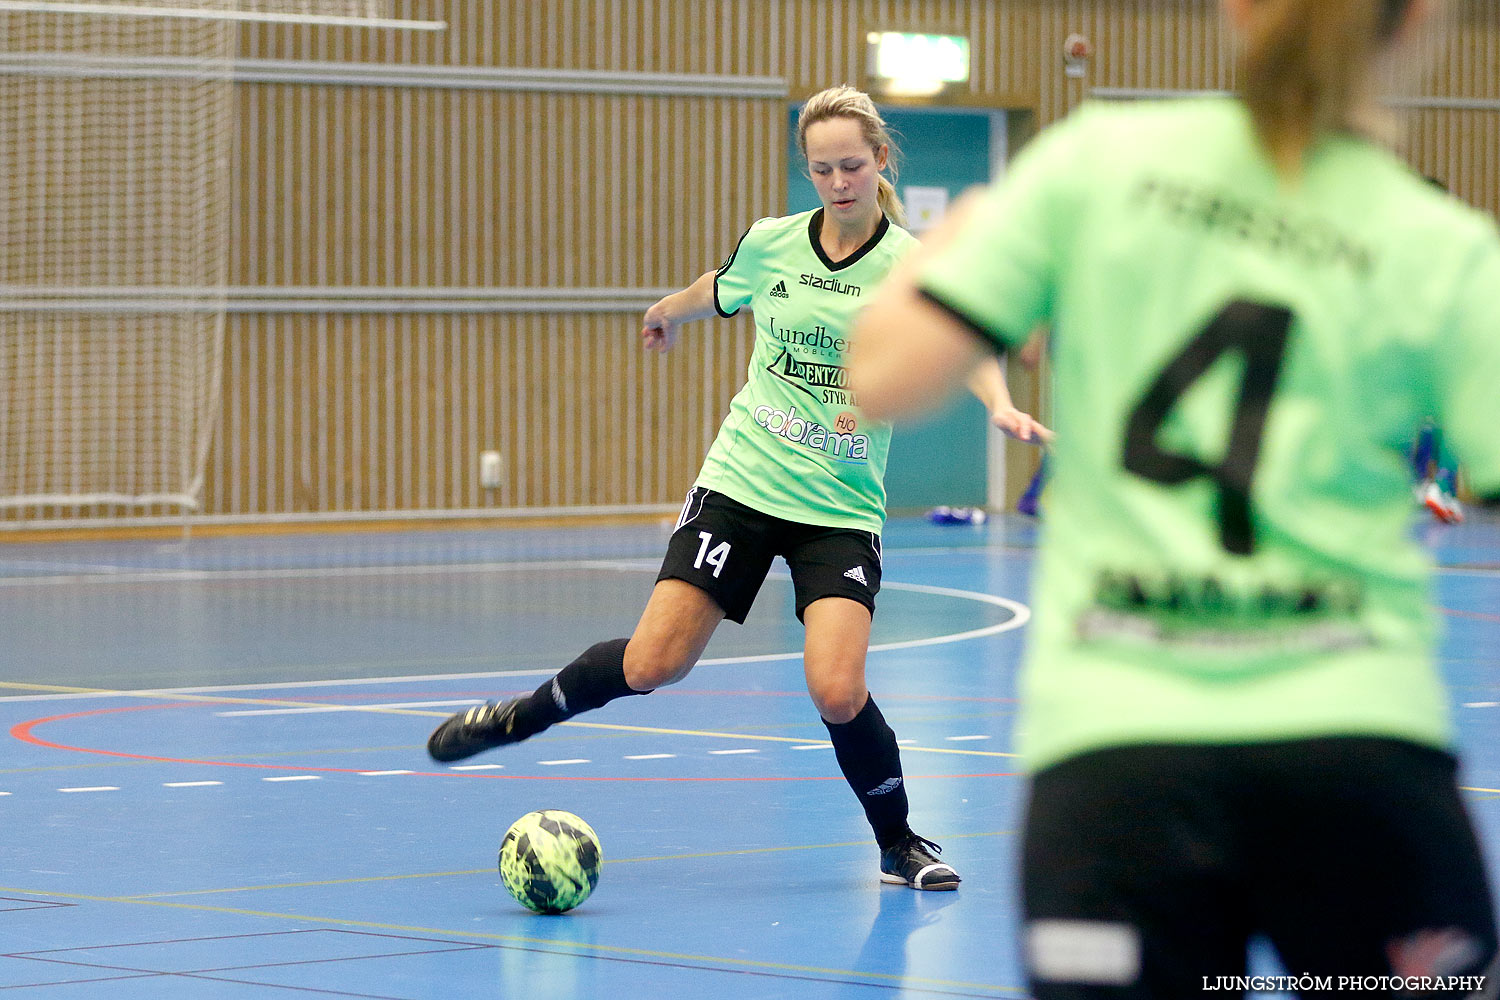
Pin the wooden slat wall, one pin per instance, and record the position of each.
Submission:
(378, 186)
(425, 187)
(381, 186)
(1462, 147)
(366, 413)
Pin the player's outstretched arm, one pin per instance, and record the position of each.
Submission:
(908, 355)
(659, 327)
(987, 383)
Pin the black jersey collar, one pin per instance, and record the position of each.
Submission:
(814, 232)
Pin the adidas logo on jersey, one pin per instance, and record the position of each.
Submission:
(857, 573)
(886, 787)
(780, 292)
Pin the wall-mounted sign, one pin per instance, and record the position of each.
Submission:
(925, 207)
(909, 65)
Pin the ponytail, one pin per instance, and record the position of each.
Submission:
(846, 102)
(887, 199)
(1307, 69)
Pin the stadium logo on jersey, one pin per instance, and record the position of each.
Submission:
(780, 292)
(787, 425)
(858, 573)
(830, 285)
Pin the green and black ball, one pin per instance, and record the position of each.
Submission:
(549, 861)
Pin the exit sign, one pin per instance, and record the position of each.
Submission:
(902, 63)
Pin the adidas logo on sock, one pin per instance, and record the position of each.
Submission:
(857, 573)
(885, 787)
(780, 292)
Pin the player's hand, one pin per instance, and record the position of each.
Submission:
(1021, 426)
(658, 331)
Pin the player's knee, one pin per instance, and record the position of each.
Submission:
(650, 665)
(837, 702)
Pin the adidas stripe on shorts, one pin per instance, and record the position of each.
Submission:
(725, 548)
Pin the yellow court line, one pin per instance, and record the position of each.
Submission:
(768, 739)
(220, 699)
(481, 871)
(306, 885)
(208, 699)
(604, 950)
(377, 710)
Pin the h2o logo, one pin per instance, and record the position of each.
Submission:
(715, 558)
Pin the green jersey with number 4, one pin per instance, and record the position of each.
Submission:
(794, 444)
(1241, 363)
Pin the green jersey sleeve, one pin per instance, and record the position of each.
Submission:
(1469, 372)
(998, 276)
(740, 274)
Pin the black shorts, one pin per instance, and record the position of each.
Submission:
(725, 548)
(1146, 869)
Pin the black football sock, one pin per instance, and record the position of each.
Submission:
(596, 678)
(867, 753)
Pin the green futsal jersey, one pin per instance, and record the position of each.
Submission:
(794, 444)
(1241, 365)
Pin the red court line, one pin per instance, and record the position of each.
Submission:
(24, 731)
(1483, 616)
(674, 692)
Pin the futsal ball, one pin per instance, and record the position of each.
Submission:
(549, 861)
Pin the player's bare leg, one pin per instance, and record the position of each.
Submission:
(668, 640)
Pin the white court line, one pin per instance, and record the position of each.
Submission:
(190, 784)
(4, 793)
(321, 572)
(377, 774)
(347, 708)
(814, 746)
(279, 685)
(726, 753)
(649, 756)
(1021, 614)
(1481, 704)
(477, 767)
(93, 788)
(296, 777)
(569, 760)
(106, 573)
(85, 568)
(961, 739)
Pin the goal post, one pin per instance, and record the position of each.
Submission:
(110, 185)
(115, 239)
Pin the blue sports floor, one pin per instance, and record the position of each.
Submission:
(214, 784)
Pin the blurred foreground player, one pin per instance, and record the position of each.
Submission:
(1231, 708)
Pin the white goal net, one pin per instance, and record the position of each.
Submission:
(116, 127)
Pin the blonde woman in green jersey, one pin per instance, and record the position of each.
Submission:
(1232, 712)
(796, 470)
